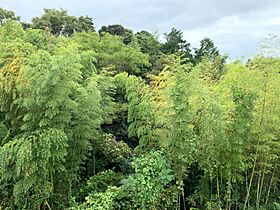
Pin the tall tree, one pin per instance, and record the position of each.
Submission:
(206, 49)
(117, 30)
(149, 45)
(113, 55)
(174, 42)
(6, 14)
(58, 22)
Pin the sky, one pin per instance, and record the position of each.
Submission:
(236, 26)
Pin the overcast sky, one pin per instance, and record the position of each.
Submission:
(236, 26)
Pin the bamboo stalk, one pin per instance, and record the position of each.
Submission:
(261, 187)
(270, 184)
(257, 150)
(258, 189)
(218, 187)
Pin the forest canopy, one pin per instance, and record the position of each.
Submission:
(116, 119)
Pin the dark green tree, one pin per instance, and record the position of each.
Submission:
(6, 14)
(206, 49)
(58, 22)
(149, 44)
(118, 30)
(174, 42)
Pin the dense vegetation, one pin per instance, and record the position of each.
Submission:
(118, 120)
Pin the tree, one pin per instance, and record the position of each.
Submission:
(142, 189)
(34, 161)
(14, 54)
(263, 157)
(77, 24)
(149, 45)
(115, 56)
(206, 49)
(52, 20)
(140, 114)
(84, 124)
(58, 22)
(117, 30)
(40, 39)
(6, 14)
(212, 70)
(174, 42)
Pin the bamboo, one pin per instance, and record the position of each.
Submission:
(261, 187)
(257, 151)
(270, 184)
(258, 190)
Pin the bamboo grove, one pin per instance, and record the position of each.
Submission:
(106, 121)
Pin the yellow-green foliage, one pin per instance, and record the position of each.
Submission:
(87, 122)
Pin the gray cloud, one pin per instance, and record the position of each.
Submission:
(235, 26)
